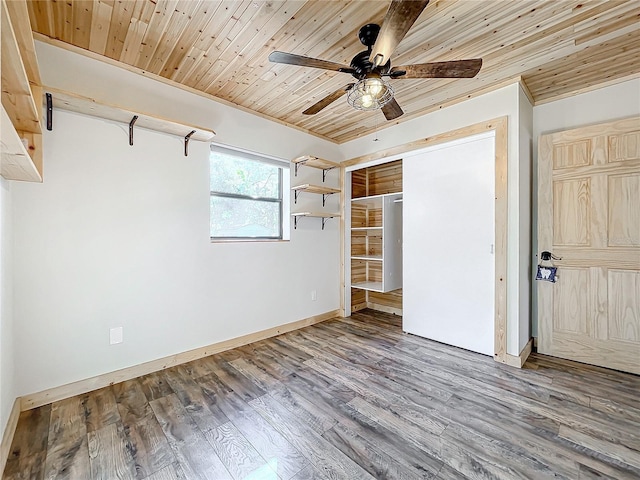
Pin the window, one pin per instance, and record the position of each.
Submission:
(247, 196)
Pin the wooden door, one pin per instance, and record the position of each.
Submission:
(589, 216)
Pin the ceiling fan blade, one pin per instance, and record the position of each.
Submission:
(326, 101)
(401, 15)
(302, 61)
(454, 69)
(392, 110)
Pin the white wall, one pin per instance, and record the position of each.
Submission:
(598, 106)
(85, 76)
(502, 102)
(7, 374)
(118, 236)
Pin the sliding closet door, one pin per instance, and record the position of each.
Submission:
(448, 250)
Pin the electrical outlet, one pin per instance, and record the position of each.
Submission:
(115, 335)
(314, 295)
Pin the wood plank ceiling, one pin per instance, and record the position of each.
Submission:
(558, 47)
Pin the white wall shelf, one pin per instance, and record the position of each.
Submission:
(370, 286)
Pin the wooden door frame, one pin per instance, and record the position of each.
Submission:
(500, 127)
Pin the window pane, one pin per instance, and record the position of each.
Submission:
(230, 174)
(233, 217)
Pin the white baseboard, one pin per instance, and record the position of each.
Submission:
(35, 400)
(9, 431)
(518, 361)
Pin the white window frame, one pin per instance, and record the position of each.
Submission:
(283, 200)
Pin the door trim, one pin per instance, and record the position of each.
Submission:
(500, 127)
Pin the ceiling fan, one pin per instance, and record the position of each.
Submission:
(371, 91)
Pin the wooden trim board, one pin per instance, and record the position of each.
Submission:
(518, 361)
(9, 431)
(500, 126)
(384, 308)
(83, 386)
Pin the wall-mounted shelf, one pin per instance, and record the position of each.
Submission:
(314, 162)
(16, 162)
(323, 215)
(89, 106)
(20, 96)
(317, 189)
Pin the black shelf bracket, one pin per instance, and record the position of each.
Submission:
(295, 223)
(296, 166)
(324, 198)
(131, 124)
(186, 142)
(295, 196)
(324, 173)
(49, 111)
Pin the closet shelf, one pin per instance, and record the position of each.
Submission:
(371, 286)
(89, 106)
(367, 257)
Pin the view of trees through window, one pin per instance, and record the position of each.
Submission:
(246, 197)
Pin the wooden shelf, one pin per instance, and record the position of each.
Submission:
(322, 215)
(21, 93)
(365, 229)
(89, 106)
(315, 189)
(16, 161)
(315, 162)
(315, 214)
(17, 97)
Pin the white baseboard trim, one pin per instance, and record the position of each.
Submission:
(9, 431)
(83, 386)
(518, 361)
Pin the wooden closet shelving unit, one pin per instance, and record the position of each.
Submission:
(376, 251)
(376, 237)
(21, 96)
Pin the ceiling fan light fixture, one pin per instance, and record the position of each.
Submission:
(370, 93)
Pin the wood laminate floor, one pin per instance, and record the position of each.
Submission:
(348, 398)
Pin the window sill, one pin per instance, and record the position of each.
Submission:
(248, 240)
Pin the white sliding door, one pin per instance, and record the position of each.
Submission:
(448, 249)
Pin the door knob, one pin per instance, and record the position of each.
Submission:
(546, 256)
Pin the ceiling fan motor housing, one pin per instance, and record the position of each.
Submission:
(360, 63)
